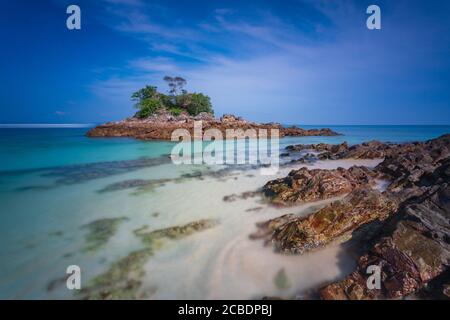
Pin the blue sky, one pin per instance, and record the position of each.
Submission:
(304, 61)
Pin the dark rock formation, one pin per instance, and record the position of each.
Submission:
(296, 131)
(266, 228)
(413, 247)
(305, 185)
(333, 223)
(366, 150)
(407, 164)
(417, 251)
(244, 195)
(320, 147)
(427, 152)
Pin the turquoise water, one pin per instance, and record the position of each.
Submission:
(358, 134)
(23, 149)
(51, 183)
(40, 148)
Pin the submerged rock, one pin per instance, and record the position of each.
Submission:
(123, 279)
(255, 209)
(306, 185)
(243, 196)
(176, 232)
(126, 184)
(281, 280)
(80, 173)
(100, 231)
(55, 283)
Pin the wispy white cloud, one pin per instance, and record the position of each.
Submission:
(156, 65)
(61, 113)
(264, 64)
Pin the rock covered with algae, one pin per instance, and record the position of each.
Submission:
(100, 231)
(123, 279)
(176, 232)
(281, 280)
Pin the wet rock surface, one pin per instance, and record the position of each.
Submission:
(160, 127)
(266, 228)
(306, 185)
(333, 223)
(366, 150)
(411, 247)
(417, 251)
(409, 163)
(241, 196)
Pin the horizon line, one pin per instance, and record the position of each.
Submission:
(46, 125)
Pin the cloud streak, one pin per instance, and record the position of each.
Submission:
(271, 65)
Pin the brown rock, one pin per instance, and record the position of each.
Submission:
(305, 185)
(333, 223)
(353, 287)
(160, 126)
(407, 164)
(366, 150)
(418, 249)
(266, 228)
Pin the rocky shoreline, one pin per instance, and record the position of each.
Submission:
(412, 246)
(160, 126)
(405, 225)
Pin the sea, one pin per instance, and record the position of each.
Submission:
(56, 183)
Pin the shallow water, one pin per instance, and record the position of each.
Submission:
(47, 196)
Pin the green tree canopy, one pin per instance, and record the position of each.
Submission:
(199, 103)
(149, 100)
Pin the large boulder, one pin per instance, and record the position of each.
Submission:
(334, 223)
(306, 185)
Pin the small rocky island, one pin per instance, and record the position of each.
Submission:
(160, 114)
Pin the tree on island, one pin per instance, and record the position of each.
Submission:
(175, 84)
(149, 100)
